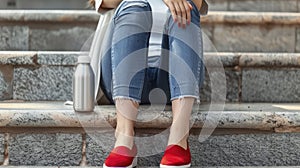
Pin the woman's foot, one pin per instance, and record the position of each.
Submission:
(178, 153)
(121, 156)
(176, 156)
(125, 151)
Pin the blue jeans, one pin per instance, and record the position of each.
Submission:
(124, 68)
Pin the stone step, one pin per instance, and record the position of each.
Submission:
(51, 134)
(68, 30)
(214, 5)
(255, 5)
(145, 166)
(250, 77)
(43, 4)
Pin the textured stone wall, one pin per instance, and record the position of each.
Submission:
(51, 134)
(225, 150)
(37, 76)
(45, 149)
(216, 5)
(249, 77)
(1, 148)
(224, 32)
(218, 150)
(6, 79)
(47, 37)
(254, 38)
(271, 85)
(255, 5)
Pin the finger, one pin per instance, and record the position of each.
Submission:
(178, 13)
(173, 12)
(191, 6)
(183, 14)
(188, 12)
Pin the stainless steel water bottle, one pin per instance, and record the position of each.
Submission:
(83, 86)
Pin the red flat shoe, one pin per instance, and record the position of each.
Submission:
(176, 156)
(121, 156)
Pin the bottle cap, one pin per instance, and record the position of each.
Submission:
(84, 59)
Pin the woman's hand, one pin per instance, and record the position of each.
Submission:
(180, 10)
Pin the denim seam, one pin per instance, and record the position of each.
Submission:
(200, 61)
(186, 96)
(113, 69)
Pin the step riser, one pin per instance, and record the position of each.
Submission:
(227, 150)
(215, 5)
(255, 5)
(249, 77)
(223, 32)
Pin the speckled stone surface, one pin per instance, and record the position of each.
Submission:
(264, 5)
(220, 5)
(298, 37)
(17, 57)
(271, 60)
(249, 38)
(49, 15)
(232, 86)
(247, 150)
(98, 147)
(45, 149)
(61, 38)
(268, 117)
(226, 150)
(87, 16)
(57, 58)
(14, 37)
(6, 78)
(147, 166)
(68, 30)
(259, 18)
(1, 148)
(251, 5)
(4, 87)
(43, 83)
(260, 85)
(222, 59)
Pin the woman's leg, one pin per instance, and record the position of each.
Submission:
(186, 71)
(123, 67)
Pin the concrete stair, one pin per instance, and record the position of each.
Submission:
(51, 134)
(251, 77)
(255, 5)
(223, 31)
(215, 5)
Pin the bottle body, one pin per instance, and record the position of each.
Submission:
(83, 88)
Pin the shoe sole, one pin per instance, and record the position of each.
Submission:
(134, 163)
(182, 166)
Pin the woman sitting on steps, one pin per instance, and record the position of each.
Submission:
(150, 44)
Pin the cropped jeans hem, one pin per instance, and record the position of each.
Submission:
(127, 98)
(187, 96)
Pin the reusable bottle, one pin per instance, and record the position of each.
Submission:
(83, 86)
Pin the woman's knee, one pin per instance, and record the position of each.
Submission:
(131, 12)
(132, 7)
